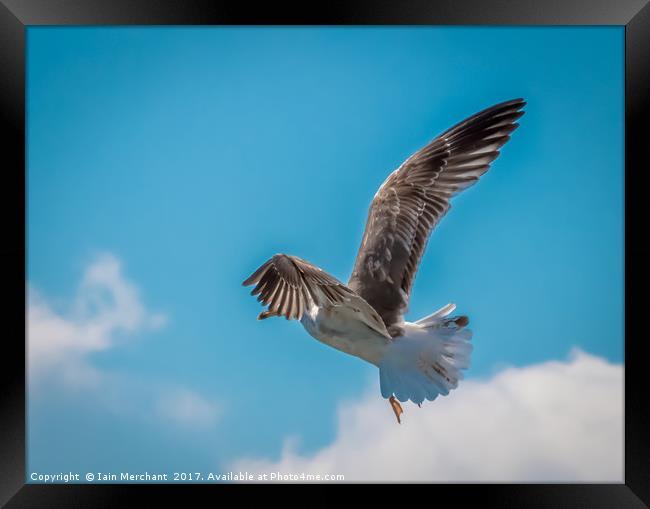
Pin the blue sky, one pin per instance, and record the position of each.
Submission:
(193, 154)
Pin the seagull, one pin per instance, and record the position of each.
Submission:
(365, 317)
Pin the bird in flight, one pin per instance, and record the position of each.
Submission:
(365, 317)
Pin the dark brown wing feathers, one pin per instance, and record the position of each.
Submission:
(288, 285)
(415, 197)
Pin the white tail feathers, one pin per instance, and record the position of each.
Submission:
(427, 360)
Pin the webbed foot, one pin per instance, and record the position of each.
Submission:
(397, 408)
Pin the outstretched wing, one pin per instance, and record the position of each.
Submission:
(289, 285)
(415, 197)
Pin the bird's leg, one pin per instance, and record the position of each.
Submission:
(397, 408)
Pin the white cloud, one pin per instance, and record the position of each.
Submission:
(105, 312)
(105, 308)
(551, 422)
(186, 408)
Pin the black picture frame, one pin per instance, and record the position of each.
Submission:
(17, 15)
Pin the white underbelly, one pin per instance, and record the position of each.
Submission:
(340, 328)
